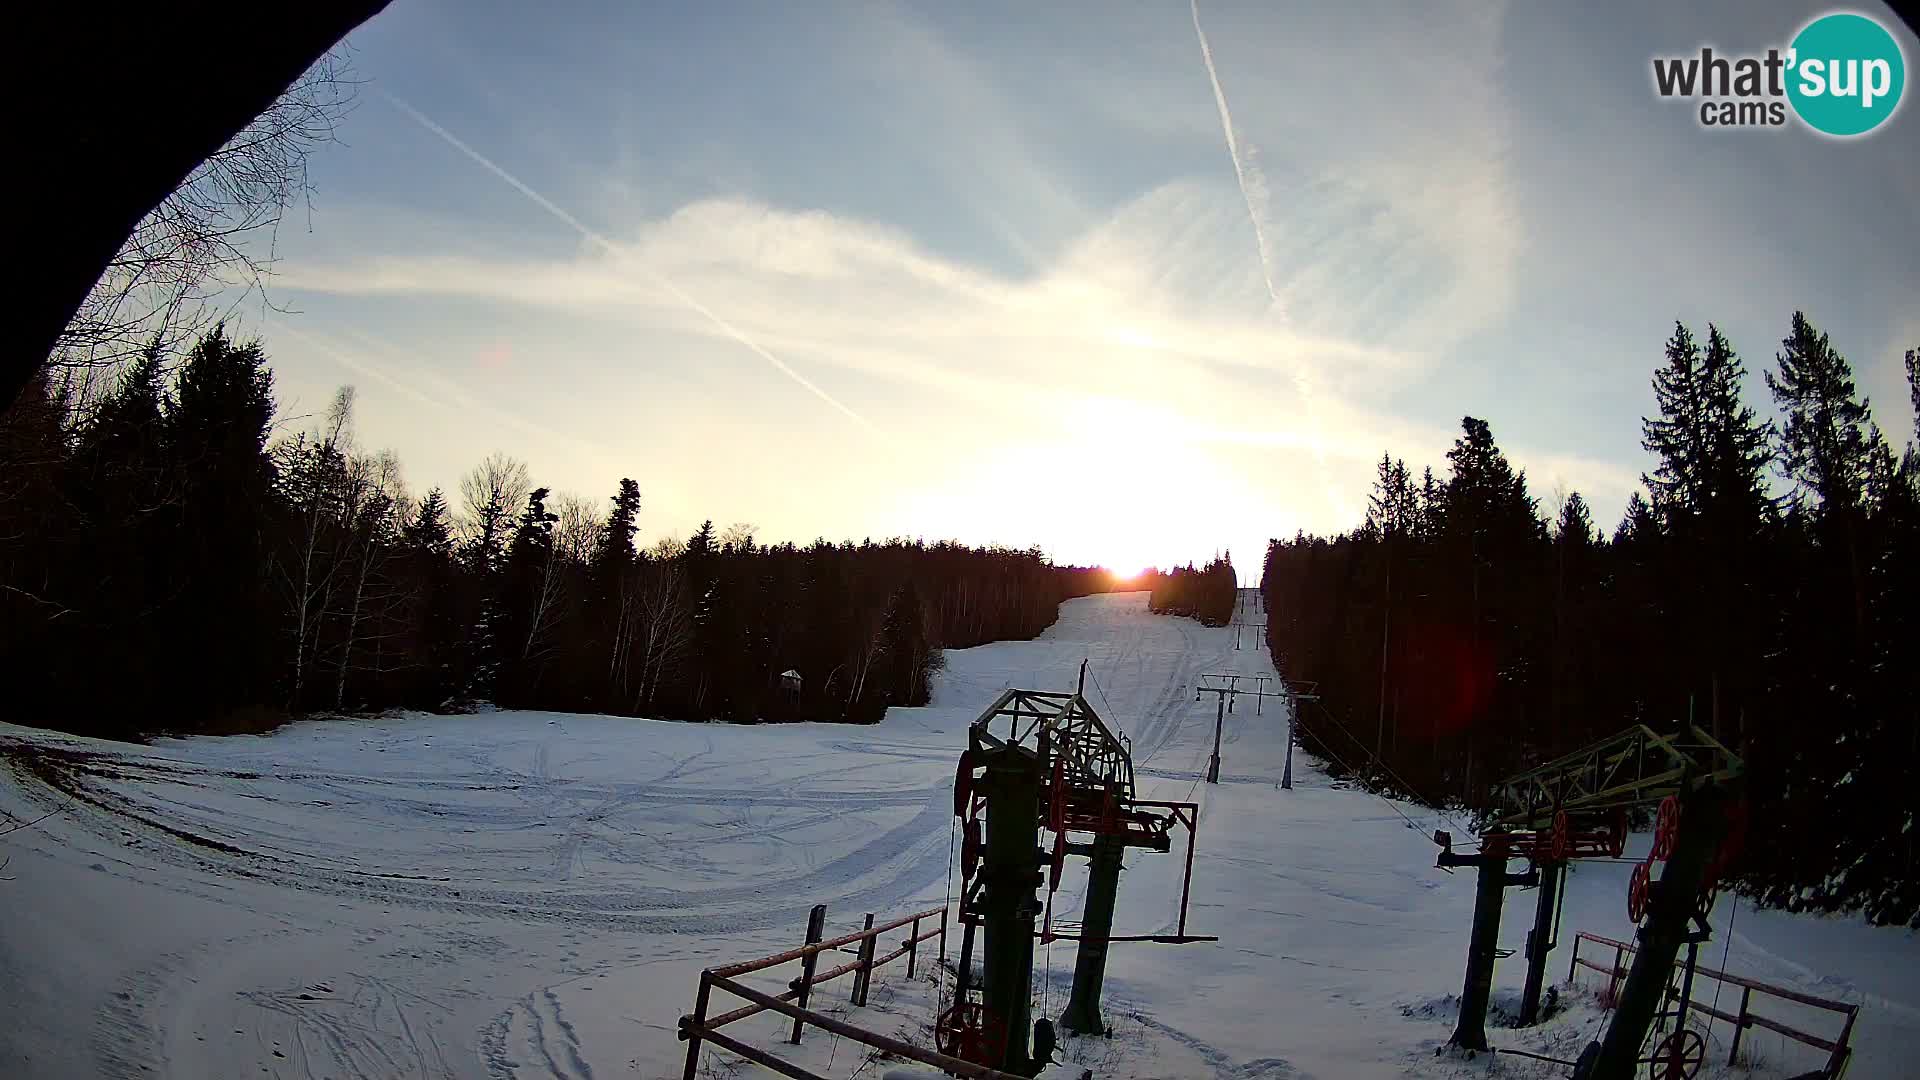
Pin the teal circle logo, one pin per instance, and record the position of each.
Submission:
(1845, 74)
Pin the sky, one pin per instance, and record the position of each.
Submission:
(1135, 282)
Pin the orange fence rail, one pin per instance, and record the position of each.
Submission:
(1837, 1048)
(698, 1027)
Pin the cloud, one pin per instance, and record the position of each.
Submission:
(858, 295)
(663, 283)
(1382, 219)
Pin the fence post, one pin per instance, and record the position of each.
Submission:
(699, 1024)
(1740, 1025)
(1837, 1063)
(816, 929)
(865, 971)
(1575, 962)
(913, 944)
(1613, 977)
(943, 936)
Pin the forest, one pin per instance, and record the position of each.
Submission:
(1765, 585)
(1206, 594)
(172, 558)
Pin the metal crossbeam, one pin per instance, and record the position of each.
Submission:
(1094, 758)
(1635, 767)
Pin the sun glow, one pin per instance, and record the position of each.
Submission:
(1120, 482)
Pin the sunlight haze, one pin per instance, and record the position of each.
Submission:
(1057, 275)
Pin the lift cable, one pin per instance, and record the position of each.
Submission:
(1404, 786)
(1391, 805)
(940, 976)
(1733, 908)
(1112, 712)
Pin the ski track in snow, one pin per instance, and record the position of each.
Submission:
(519, 895)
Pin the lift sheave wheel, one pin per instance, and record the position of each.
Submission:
(970, 1032)
(1678, 1056)
(1666, 827)
(963, 784)
(1637, 891)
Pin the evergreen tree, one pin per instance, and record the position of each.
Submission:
(428, 546)
(1910, 461)
(1678, 437)
(616, 540)
(429, 532)
(1738, 444)
(906, 651)
(216, 433)
(1913, 385)
(531, 592)
(1828, 438)
(1638, 524)
(124, 435)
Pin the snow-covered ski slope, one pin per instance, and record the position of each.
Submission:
(532, 895)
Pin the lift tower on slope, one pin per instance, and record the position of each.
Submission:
(1043, 759)
(1576, 807)
(1227, 687)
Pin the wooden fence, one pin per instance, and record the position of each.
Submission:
(1744, 1017)
(699, 1027)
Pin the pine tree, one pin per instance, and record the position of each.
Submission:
(124, 433)
(531, 596)
(1738, 444)
(1828, 438)
(1910, 461)
(1430, 499)
(616, 540)
(701, 543)
(1638, 525)
(1913, 385)
(216, 432)
(906, 651)
(34, 514)
(1678, 437)
(1831, 451)
(429, 533)
(427, 540)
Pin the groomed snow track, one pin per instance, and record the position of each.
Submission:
(533, 895)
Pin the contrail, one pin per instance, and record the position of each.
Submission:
(678, 293)
(1303, 383)
(1240, 168)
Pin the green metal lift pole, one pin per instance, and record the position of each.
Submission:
(1090, 969)
(1540, 941)
(1703, 825)
(1010, 875)
(1219, 720)
(1483, 947)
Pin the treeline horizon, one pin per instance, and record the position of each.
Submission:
(1459, 635)
(1206, 593)
(171, 563)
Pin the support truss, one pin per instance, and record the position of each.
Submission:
(1094, 759)
(1634, 768)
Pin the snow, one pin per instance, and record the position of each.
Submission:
(533, 895)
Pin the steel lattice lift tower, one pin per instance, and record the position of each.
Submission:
(1576, 807)
(1043, 760)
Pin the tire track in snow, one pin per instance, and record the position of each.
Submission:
(535, 1024)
